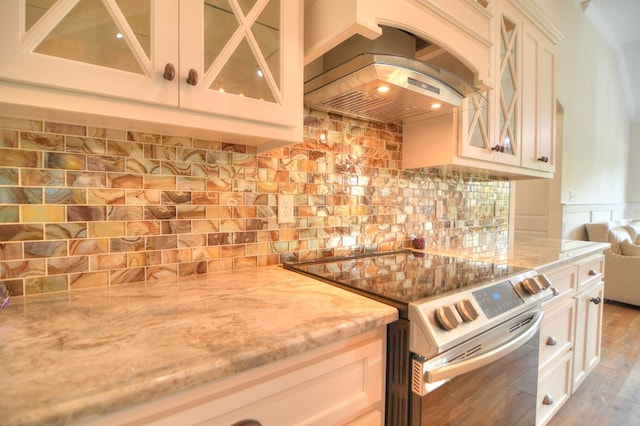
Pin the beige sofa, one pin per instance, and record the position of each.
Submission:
(622, 261)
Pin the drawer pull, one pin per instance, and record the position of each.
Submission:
(593, 272)
(247, 422)
(551, 341)
(595, 300)
(547, 400)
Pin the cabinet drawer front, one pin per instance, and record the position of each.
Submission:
(590, 270)
(556, 332)
(554, 388)
(336, 384)
(565, 280)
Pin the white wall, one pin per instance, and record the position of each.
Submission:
(596, 124)
(594, 141)
(633, 188)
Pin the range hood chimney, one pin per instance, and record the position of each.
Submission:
(382, 80)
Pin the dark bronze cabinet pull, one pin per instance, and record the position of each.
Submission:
(595, 300)
(192, 78)
(498, 148)
(593, 272)
(543, 159)
(247, 422)
(169, 72)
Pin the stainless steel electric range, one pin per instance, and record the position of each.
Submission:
(465, 348)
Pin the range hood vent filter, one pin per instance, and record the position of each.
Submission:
(370, 106)
(351, 77)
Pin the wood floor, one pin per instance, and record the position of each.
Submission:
(611, 394)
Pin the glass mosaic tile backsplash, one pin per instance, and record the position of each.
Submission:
(83, 206)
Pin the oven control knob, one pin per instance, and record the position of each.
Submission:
(448, 317)
(531, 286)
(543, 280)
(466, 310)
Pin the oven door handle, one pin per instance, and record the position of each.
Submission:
(453, 369)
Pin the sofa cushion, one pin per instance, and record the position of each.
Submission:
(634, 231)
(597, 232)
(616, 236)
(629, 249)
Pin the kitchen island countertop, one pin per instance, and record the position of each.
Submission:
(534, 253)
(69, 356)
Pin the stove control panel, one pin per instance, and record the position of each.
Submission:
(446, 321)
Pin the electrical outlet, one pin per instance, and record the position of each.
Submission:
(438, 209)
(285, 208)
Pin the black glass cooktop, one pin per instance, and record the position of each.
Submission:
(404, 277)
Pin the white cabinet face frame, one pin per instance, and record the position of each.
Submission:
(61, 29)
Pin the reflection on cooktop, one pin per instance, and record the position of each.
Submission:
(404, 277)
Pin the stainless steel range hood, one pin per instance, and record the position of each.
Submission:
(352, 76)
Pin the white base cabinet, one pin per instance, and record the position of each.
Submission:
(570, 334)
(588, 333)
(342, 383)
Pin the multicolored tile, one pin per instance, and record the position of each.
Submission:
(81, 206)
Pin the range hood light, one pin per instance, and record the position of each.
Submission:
(383, 89)
(436, 106)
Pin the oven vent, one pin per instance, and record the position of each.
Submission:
(417, 379)
(467, 353)
(521, 324)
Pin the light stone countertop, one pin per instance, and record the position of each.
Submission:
(68, 356)
(535, 253)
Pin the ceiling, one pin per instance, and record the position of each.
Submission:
(618, 22)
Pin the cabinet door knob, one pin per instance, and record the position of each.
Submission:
(595, 300)
(547, 400)
(543, 159)
(247, 422)
(551, 341)
(169, 72)
(593, 272)
(192, 78)
(498, 148)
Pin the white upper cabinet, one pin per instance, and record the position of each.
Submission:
(518, 127)
(212, 68)
(508, 92)
(490, 120)
(507, 128)
(538, 101)
(91, 46)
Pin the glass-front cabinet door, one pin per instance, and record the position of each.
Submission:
(507, 144)
(235, 60)
(238, 61)
(109, 47)
(475, 125)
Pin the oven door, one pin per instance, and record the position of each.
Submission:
(492, 378)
